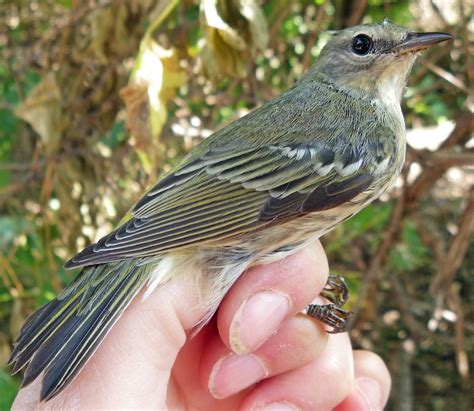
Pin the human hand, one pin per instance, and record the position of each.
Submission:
(150, 361)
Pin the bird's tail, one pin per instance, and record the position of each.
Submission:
(61, 336)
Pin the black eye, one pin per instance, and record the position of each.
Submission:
(361, 44)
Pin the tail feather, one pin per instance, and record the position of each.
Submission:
(85, 340)
(33, 320)
(39, 328)
(50, 347)
(60, 338)
(30, 339)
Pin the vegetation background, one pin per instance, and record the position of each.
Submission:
(99, 97)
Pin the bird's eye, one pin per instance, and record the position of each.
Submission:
(362, 44)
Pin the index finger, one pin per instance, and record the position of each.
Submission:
(267, 294)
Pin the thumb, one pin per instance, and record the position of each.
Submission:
(132, 366)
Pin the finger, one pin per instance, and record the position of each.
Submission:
(267, 294)
(27, 398)
(320, 385)
(132, 367)
(372, 384)
(299, 340)
(185, 386)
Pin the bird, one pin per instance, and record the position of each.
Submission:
(259, 189)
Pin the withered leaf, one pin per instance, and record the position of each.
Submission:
(42, 110)
(156, 77)
(234, 30)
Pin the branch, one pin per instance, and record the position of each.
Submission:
(431, 173)
(462, 362)
(313, 36)
(430, 237)
(417, 331)
(357, 11)
(446, 158)
(451, 158)
(457, 249)
(462, 130)
(445, 75)
(390, 236)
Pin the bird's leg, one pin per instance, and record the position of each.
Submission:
(332, 314)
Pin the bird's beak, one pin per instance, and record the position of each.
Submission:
(416, 42)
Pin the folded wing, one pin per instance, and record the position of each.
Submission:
(231, 191)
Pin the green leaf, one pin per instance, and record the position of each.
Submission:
(9, 387)
(410, 254)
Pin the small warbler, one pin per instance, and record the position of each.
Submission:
(254, 192)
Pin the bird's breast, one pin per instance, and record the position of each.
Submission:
(276, 242)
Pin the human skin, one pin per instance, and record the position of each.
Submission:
(149, 359)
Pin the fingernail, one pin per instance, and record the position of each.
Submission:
(233, 373)
(279, 406)
(256, 319)
(372, 393)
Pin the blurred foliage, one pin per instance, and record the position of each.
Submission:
(99, 97)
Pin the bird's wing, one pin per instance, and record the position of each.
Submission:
(229, 191)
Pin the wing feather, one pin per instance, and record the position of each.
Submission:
(228, 192)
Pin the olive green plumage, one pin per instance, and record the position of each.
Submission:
(255, 191)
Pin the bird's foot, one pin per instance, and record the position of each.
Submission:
(335, 290)
(332, 314)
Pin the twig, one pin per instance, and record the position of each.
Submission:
(462, 131)
(16, 166)
(406, 377)
(357, 258)
(374, 273)
(457, 249)
(465, 36)
(431, 173)
(314, 36)
(404, 304)
(422, 70)
(357, 11)
(11, 272)
(462, 362)
(451, 158)
(445, 75)
(446, 158)
(10, 189)
(439, 13)
(4, 105)
(277, 19)
(431, 238)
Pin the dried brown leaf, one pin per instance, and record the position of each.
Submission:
(234, 30)
(42, 110)
(155, 80)
(111, 29)
(135, 98)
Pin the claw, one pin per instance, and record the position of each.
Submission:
(330, 314)
(336, 290)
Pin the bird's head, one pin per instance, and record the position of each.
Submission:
(373, 58)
